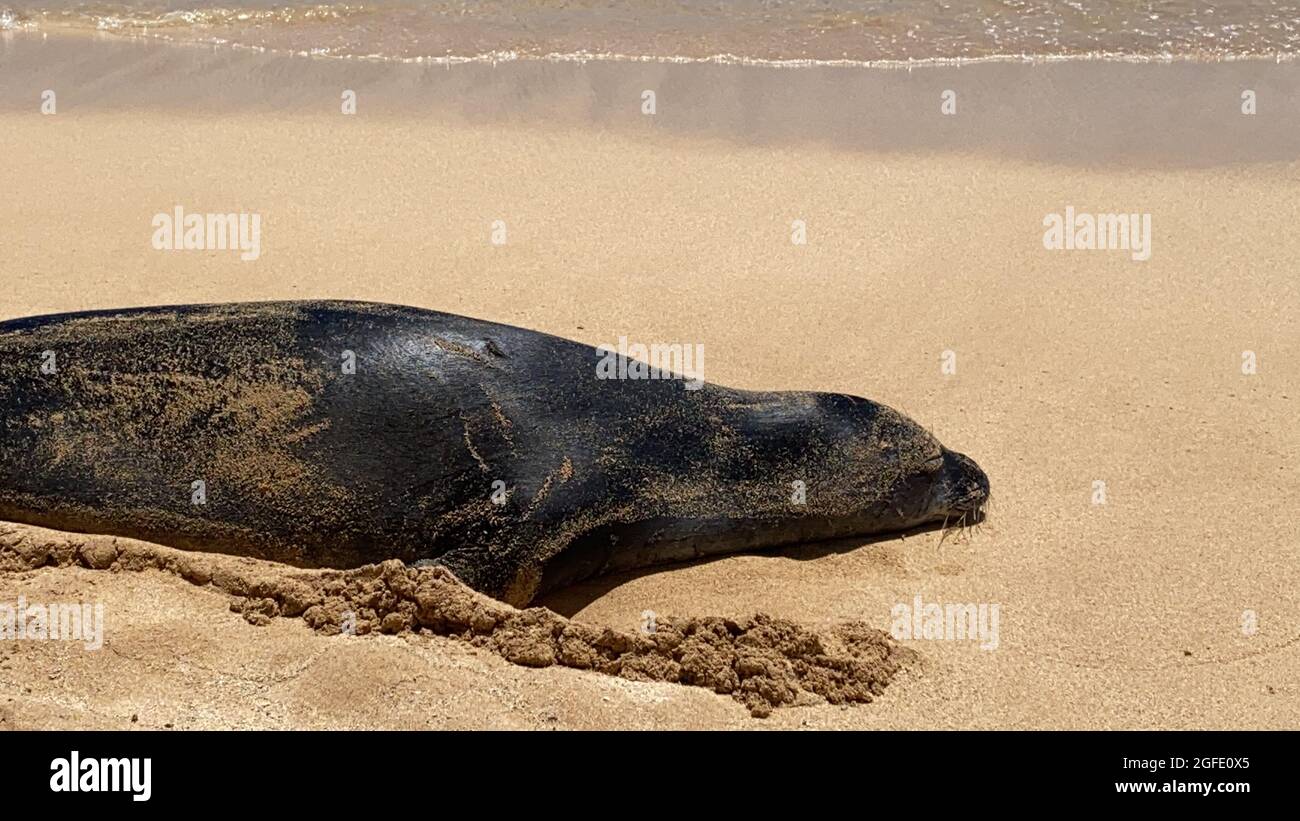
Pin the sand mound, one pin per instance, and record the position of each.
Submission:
(761, 661)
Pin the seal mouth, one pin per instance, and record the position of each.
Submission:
(962, 489)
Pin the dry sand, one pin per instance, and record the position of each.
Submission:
(1072, 367)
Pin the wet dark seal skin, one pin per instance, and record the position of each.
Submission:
(490, 449)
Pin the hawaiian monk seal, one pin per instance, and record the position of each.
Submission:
(344, 433)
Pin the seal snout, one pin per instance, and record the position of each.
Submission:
(962, 487)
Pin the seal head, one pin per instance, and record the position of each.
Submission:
(956, 489)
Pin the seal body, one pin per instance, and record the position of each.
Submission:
(343, 433)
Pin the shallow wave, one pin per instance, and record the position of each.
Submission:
(756, 32)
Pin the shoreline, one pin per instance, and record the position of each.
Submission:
(1148, 115)
(723, 58)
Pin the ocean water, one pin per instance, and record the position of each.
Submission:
(759, 31)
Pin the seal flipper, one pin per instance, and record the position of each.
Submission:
(562, 510)
(505, 572)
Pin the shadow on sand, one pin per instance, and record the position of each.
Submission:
(570, 600)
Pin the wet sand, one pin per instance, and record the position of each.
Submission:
(1072, 367)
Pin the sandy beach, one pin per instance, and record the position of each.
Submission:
(1171, 605)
